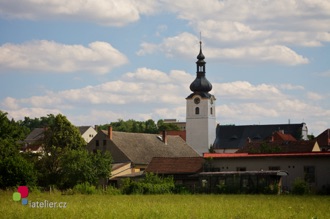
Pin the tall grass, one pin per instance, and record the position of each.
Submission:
(169, 206)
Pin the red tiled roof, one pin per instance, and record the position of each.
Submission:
(182, 134)
(279, 136)
(246, 155)
(175, 165)
(324, 138)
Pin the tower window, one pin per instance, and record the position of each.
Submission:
(197, 110)
(211, 111)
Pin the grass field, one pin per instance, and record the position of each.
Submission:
(168, 206)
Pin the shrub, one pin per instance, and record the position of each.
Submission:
(84, 188)
(300, 187)
(110, 190)
(151, 184)
(181, 189)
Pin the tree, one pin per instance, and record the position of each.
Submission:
(151, 126)
(148, 126)
(15, 169)
(60, 137)
(66, 162)
(37, 122)
(79, 166)
(162, 126)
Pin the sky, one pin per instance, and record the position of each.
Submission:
(99, 61)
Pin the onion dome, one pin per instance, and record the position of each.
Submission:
(200, 84)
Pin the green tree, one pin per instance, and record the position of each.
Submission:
(151, 127)
(79, 167)
(60, 137)
(15, 169)
(162, 126)
(37, 122)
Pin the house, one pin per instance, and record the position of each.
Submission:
(34, 141)
(87, 132)
(180, 133)
(183, 169)
(181, 125)
(230, 138)
(136, 150)
(324, 140)
(313, 167)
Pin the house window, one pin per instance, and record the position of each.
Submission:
(97, 143)
(197, 110)
(240, 168)
(309, 174)
(274, 168)
(104, 142)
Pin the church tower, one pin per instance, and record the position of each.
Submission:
(200, 114)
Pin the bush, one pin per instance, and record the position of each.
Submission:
(181, 189)
(110, 190)
(300, 187)
(84, 188)
(151, 184)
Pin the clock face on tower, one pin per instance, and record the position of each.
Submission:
(197, 100)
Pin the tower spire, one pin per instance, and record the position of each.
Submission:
(200, 84)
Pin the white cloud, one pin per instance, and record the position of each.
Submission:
(19, 114)
(325, 73)
(244, 90)
(48, 56)
(145, 86)
(185, 44)
(105, 12)
(314, 96)
(258, 31)
(290, 87)
(139, 97)
(11, 103)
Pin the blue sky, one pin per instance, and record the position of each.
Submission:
(99, 61)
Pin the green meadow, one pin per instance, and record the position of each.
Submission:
(167, 206)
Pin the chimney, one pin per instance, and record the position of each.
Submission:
(272, 138)
(164, 137)
(110, 132)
